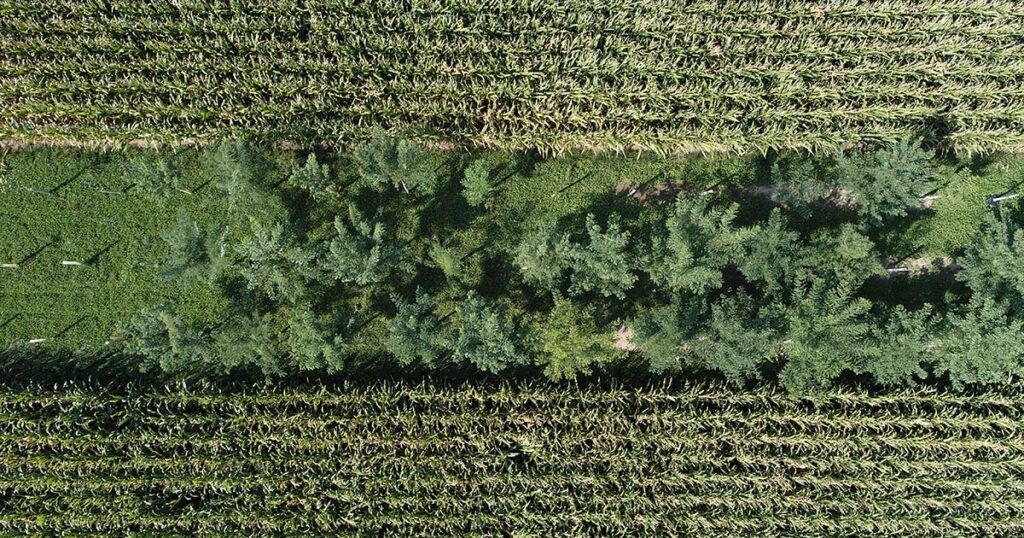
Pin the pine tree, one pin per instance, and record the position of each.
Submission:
(993, 266)
(773, 256)
(738, 339)
(982, 346)
(236, 168)
(602, 264)
(314, 178)
(195, 254)
(700, 241)
(886, 182)
(311, 346)
(660, 331)
(846, 256)
(542, 257)
(166, 341)
(903, 346)
(571, 342)
(154, 175)
(273, 263)
(388, 160)
(415, 333)
(485, 336)
(827, 334)
(361, 252)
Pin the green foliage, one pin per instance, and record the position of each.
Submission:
(166, 341)
(476, 183)
(314, 178)
(195, 254)
(485, 336)
(700, 242)
(571, 342)
(983, 346)
(737, 341)
(828, 332)
(773, 256)
(394, 161)
(542, 257)
(271, 262)
(902, 347)
(415, 333)
(884, 183)
(361, 252)
(274, 274)
(994, 265)
(603, 264)
(154, 175)
(311, 345)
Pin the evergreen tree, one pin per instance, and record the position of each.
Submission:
(360, 252)
(798, 182)
(273, 263)
(903, 346)
(542, 257)
(602, 264)
(571, 342)
(773, 256)
(166, 341)
(314, 178)
(154, 175)
(886, 182)
(994, 265)
(415, 333)
(195, 254)
(983, 345)
(485, 336)
(659, 332)
(311, 346)
(236, 168)
(827, 335)
(737, 340)
(700, 242)
(388, 160)
(845, 256)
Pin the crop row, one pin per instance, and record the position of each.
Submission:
(558, 75)
(475, 459)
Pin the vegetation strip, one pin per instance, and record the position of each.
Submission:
(393, 467)
(556, 75)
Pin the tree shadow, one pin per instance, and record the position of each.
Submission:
(96, 257)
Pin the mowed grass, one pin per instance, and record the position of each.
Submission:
(959, 211)
(70, 206)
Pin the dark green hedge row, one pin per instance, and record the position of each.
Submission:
(888, 263)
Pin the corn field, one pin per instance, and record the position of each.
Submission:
(519, 460)
(658, 75)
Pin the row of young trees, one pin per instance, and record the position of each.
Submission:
(342, 266)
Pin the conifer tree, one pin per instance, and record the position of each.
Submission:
(827, 334)
(361, 252)
(603, 264)
(415, 333)
(485, 336)
(982, 346)
(993, 266)
(700, 241)
(886, 182)
(314, 178)
(195, 254)
(571, 342)
(388, 160)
